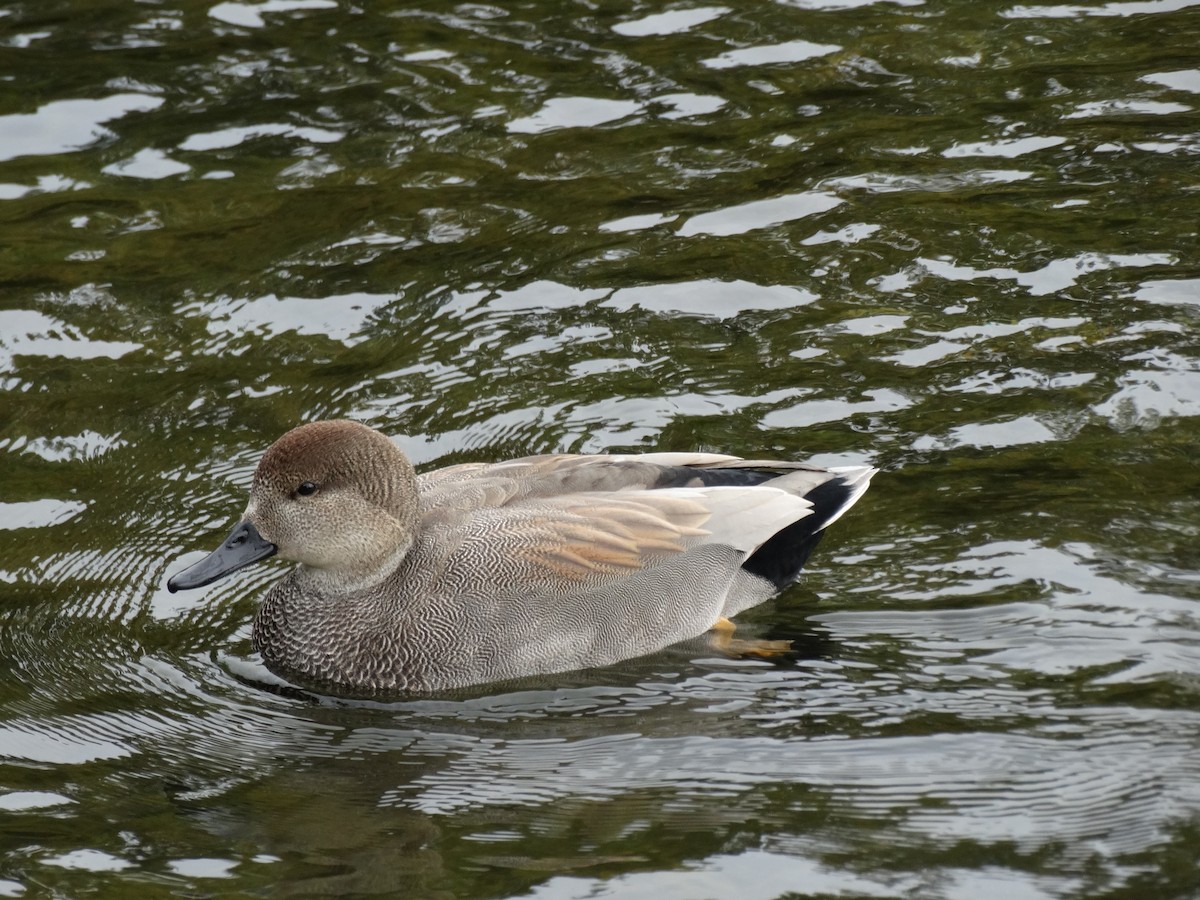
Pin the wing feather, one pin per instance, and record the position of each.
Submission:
(590, 535)
(571, 519)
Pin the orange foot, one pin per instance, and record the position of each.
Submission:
(722, 639)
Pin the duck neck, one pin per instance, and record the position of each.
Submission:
(342, 581)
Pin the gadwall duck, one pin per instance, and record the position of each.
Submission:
(486, 572)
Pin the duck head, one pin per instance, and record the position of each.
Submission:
(337, 497)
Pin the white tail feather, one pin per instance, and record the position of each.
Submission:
(744, 517)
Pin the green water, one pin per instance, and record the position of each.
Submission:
(957, 240)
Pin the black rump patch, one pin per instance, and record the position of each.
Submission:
(782, 556)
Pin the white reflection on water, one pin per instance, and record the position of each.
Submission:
(954, 340)
(64, 743)
(149, 164)
(769, 54)
(1126, 107)
(637, 223)
(845, 4)
(709, 297)
(60, 448)
(1170, 291)
(27, 332)
(883, 182)
(672, 22)
(340, 317)
(817, 411)
(45, 184)
(574, 112)
(850, 234)
(18, 801)
(1054, 276)
(88, 860)
(1188, 144)
(760, 214)
(38, 513)
(62, 126)
(870, 326)
(1168, 387)
(1008, 433)
(1116, 8)
(232, 137)
(683, 105)
(1006, 147)
(203, 867)
(250, 15)
(1182, 80)
(752, 875)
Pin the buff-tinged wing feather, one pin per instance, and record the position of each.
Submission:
(590, 535)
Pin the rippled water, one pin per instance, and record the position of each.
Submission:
(954, 239)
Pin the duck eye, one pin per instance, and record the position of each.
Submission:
(306, 489)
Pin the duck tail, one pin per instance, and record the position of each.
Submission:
(781, 557)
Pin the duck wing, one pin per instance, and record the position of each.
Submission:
(480, 485)
(588, 518)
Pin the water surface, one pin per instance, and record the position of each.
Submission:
(953, 239)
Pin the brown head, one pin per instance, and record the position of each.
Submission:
(337, 497)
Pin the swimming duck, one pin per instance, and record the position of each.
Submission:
(490, 571)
